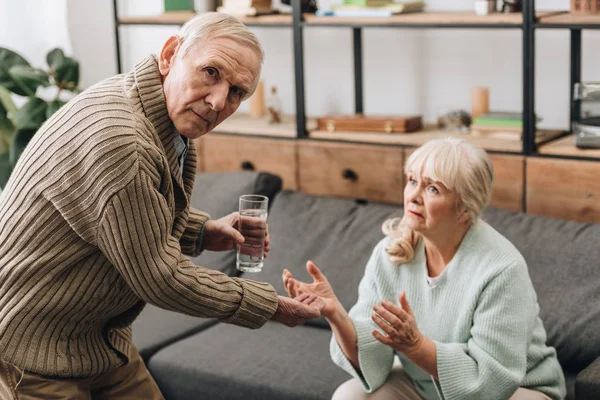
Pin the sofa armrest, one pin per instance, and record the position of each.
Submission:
(587, 383)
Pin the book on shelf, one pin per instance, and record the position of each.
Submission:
(258, 4)
(247, 11)
(504, 119)
(376, 10)
(379, 3)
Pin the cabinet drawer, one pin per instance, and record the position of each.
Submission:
(351, 170)
(507, 189)
(567, 189)
(223, 153)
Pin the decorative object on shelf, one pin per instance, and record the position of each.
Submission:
(512, 6)
(480, 101)
(204, 6)
(179, 5)
(306, 6)
(257, 101)
(586, 126)
(274, 106)
(375, 124)
(18, 77)
(484, 7)
(585, 6)
(248, 8)
(456, 120)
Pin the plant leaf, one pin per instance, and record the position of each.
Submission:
(67, 73)
(19, 142)
(32, 115)
(5, 169)
(9, 59)
(6, 130)
(28, 78)
(54, 58)
(6, 101)
(53, 107)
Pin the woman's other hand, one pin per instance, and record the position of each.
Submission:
(400, 326)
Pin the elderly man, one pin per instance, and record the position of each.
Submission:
(95, 221)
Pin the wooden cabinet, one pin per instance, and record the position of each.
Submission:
(567, 189)
(353, 171)
(507, 189)
(235, 153)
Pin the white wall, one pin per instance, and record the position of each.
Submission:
(32, 27)
(405, 71)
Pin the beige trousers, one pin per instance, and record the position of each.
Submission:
(132, 381)
(399, 387)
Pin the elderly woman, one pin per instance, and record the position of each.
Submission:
(444, 292)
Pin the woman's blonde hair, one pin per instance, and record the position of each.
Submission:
(213, 25)
(462, 168)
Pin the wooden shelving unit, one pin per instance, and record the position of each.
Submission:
(565, 146)
(565, 20)
(244, 124)
(180, 18)
(464, 19)
(488, 142)
(424, 18)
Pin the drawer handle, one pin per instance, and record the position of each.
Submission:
(247, 166)
(349, 175)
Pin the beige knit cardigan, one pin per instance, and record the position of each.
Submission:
(94, 223)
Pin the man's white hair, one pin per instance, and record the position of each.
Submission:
(213, 25)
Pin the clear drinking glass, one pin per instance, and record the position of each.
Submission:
(253, 226)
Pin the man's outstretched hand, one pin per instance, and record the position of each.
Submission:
(297, 311)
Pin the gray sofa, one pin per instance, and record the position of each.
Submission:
(192, 358)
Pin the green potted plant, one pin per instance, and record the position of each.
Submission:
(18, 79)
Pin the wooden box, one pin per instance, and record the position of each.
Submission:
(379, 124)
(585, 6)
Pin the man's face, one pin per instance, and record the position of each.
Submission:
(207, 84)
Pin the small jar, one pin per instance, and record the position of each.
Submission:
(485, 7)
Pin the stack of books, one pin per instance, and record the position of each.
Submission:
(246, 7)
(499, 124)
(372, 8)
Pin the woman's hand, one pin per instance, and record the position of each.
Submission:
(319, 287)
(400, 326)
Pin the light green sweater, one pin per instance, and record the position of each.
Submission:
(482, 316)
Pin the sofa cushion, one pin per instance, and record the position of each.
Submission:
(233, 363)
(338, 235)
(563, 259)
(217, 194)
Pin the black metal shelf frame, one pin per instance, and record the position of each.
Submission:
(528, 27)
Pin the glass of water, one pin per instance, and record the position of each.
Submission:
(253, 226)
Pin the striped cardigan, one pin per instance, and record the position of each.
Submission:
(94, 222)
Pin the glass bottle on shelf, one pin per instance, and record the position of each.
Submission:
(586, 125)
(273, 103)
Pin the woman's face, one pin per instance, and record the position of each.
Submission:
(430, 208)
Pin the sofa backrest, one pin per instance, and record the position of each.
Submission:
(338, 235)
(564, 264)
(218, 195)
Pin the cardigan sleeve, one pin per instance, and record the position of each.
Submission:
(134, 233)
(191, 240)
(493, 362)
(375, 358)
